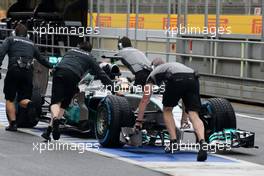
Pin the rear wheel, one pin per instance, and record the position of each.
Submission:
(37, 99)
(25, 120)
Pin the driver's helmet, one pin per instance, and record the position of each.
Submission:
(112, 70)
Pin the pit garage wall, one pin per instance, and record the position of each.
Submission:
(226, 82)
(247, 91)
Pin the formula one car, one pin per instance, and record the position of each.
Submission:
(111, 118)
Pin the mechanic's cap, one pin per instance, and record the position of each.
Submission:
(158, 61)
(21, 30)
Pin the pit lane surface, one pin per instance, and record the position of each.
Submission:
(17, 158)
(17, 148)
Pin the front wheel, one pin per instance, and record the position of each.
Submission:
(221, 115)
(109, 121)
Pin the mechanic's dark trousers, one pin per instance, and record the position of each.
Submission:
(141, 77)
(18, 86)
(64, 87)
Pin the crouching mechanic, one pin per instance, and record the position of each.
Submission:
(134, 60)
(18, 82)
(180, 83)
(67, 75)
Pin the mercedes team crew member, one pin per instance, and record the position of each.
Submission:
(135, 60)
(18, 82)
(181, 82)
(67, 75)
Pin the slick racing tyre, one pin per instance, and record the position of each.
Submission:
(109, 121)
(127, 117)
(222, 114)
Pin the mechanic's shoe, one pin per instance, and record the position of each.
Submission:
(202, 154)
(56, 129)
(12, 126)
(172, 146)
(31, 111)
(46, 133)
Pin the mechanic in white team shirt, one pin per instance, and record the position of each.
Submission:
(181, 82)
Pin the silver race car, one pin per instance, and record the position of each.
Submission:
(111, 118)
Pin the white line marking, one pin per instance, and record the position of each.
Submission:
(249, 117)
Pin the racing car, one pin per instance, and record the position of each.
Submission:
(111, 118)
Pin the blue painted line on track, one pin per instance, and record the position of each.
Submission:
(156, 154)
